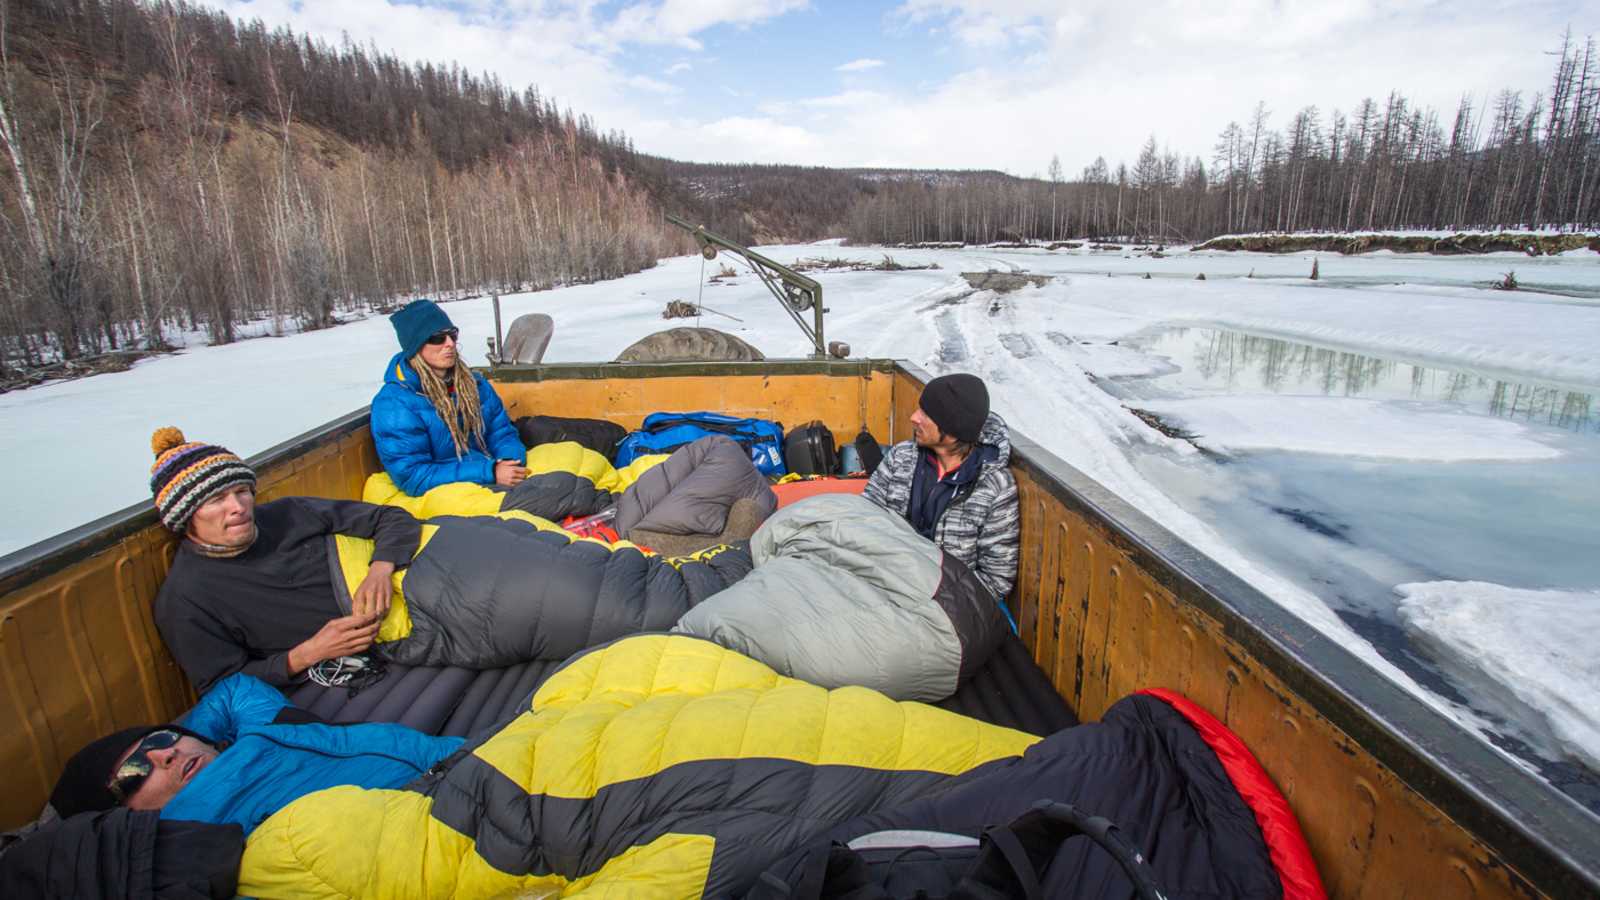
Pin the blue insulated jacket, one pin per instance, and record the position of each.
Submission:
(265, 767)
(414, 443)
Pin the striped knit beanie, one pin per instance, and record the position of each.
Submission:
(187, 474)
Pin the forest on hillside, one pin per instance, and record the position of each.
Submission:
(169, 170)
(1513, 162)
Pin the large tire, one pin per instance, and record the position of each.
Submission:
(690, 345)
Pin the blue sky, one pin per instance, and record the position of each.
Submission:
(1000, 84)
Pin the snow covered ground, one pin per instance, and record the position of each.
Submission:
(77, 450)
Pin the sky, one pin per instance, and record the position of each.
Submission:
(993, 84)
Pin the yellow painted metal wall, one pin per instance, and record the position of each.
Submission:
(843, 403)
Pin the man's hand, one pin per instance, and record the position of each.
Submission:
(371, 599)
(344, 636)
(509, 473)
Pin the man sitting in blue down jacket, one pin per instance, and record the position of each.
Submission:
(240, 755)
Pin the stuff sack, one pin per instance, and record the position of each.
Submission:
(810, 450)
(870, 451)
(595, 434)
(664, 432)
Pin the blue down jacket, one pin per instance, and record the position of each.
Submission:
(414, 443)
(265, 766)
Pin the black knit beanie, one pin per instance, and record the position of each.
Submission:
(82, 785)
(958, 404)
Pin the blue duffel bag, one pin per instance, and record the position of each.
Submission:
(664, 432)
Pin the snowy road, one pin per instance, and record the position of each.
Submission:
(78, 450)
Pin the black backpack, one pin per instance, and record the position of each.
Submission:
(596, 434)
(870, 452)
(810, 450)
(1007, 861)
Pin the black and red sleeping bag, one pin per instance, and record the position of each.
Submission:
(1180, 787)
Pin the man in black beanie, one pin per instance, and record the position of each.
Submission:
(950, 480)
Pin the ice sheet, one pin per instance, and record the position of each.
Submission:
(1533, 650)
(1349, 426)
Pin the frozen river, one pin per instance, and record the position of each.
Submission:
(1303, 495)
(1400, 455)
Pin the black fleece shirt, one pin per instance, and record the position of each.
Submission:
(245, 613)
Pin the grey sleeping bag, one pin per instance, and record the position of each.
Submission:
(691, 491)
(483, 592)
(844, 592)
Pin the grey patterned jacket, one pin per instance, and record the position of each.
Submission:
(981, 528)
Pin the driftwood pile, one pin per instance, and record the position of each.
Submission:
(12, 379)
(680, 309)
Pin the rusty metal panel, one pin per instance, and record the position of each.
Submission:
(907, 391)
(1107, 628)
(1030, 567)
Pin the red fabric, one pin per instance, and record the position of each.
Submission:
(597, 530)
(1287, 847)
(799, 490)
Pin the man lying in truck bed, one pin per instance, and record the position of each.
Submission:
(277, 589)
(668, 766)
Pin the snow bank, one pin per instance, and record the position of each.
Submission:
(1489, 331)
(1348, 426)
(1103, 360)
(1534, 651)
(1414, 232)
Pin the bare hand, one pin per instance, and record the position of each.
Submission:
(344, 636)
(509, 473)
(371, 599)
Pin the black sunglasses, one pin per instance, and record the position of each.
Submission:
(137, 767)
(439, 338)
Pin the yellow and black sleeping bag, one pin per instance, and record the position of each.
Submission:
(656, 766)
(565, 479)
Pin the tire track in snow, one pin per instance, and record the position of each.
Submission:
(1018, 344)
(952, 344)
(1011, 267)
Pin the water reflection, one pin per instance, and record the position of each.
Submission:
(1216, 359)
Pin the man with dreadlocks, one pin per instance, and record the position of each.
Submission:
(435, 421)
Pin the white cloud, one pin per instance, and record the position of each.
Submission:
(859, 65)
(1010, 82)
(763, 139)
(677, 21)
(863, 100)
(987, 25)
(1035, 80)
(646, 83)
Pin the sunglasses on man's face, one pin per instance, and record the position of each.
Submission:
(137, 767)
(441, 337)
